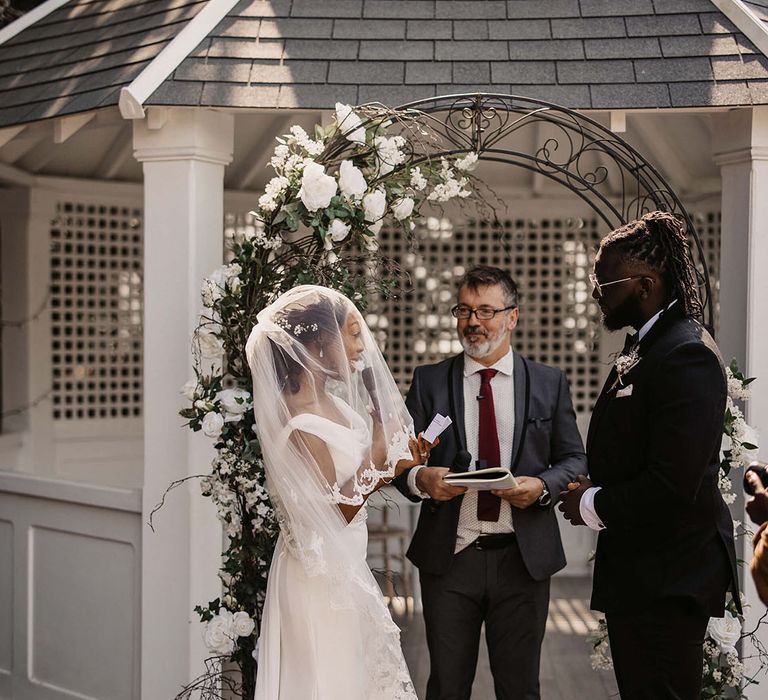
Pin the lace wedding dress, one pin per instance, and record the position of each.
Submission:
(326, 633)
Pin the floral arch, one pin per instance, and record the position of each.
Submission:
(326, 205)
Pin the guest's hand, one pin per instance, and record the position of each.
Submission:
(525, 494)
(570, 499)
(430, 480)
(757, 506)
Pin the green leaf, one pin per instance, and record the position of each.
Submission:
(748, 446)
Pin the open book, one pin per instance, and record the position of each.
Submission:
(483, 479)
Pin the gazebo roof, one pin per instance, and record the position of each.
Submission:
(77, 55)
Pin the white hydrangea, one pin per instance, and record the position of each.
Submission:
(418, 181)
(388, 153)
(467, 163)
(275, 187)
(301, 139)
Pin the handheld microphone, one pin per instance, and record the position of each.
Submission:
(461, 461)
(370, 386)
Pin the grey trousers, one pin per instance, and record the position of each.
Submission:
(491, 587)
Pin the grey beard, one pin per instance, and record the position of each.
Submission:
(482, 349)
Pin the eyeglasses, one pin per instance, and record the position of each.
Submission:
(484, 313)
(599, 285)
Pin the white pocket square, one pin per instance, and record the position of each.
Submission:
(624, 391)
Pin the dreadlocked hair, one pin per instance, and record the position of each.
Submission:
(658, 240)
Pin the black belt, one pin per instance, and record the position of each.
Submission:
(494, 541)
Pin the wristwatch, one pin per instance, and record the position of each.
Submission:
(545, 499)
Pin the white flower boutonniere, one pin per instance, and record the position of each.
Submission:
(624, 363)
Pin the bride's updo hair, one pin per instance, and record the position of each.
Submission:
(307, 324)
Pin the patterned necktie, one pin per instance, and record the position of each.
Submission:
(488, 505)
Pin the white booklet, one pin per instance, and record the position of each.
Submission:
(483, 479)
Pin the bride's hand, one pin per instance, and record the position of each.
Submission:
(425, 448)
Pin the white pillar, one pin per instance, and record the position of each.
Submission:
(184, 153)
(742, 153)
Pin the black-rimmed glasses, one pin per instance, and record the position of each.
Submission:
(599, 285)
(484, 313)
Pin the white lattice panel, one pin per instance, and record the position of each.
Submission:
(550, 260)
(96, 311)
(708, 228)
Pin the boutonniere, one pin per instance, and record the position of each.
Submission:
(623, 363)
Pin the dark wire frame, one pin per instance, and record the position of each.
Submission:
(478, 122)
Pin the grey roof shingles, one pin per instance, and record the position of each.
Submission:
(585, 54)
(78, 57)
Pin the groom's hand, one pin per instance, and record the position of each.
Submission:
(430, 480)
(570, 500)
(527, 492)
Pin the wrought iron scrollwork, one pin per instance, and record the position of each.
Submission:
(571, 149)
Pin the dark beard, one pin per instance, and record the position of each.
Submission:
(625, 314)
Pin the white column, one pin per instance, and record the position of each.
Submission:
(184, 153)
(742, 153)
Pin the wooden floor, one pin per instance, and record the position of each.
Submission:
(566, 673)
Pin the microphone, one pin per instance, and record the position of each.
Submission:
(461, 461)
(370, 385)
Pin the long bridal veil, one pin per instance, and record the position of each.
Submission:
(331, 424)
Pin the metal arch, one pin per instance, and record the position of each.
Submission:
(480, 121)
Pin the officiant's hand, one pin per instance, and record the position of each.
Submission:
(430, 480)
(570, 500)
(527, 493)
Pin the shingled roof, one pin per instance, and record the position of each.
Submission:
(588, 54)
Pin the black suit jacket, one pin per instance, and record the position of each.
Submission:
(655, 452)
(549, 445)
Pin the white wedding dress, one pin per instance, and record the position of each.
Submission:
(326, 634)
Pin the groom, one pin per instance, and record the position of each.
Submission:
(665, 554)
(486, 558)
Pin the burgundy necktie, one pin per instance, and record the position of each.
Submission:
(488, 505)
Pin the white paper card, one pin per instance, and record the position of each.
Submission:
(438, 425)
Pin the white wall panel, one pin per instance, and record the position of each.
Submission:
(80, 609)
(69, 590)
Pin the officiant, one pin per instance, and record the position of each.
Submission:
(487, 556)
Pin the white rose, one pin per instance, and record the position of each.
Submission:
(351, 180)
(211, 346)
(317, 188)
(210, 292)
(219, 634)
(725, 631)
(350, 124)
(374, 204)
(235, 403)
(189, 390)
(338, 230)
(212, 424)
(403, 208)
(242, 624)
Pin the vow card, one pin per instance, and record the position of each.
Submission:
(438, 425)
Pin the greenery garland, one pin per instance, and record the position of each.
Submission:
(317, 223)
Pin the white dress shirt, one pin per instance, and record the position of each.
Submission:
(587, 504)
(503, 386)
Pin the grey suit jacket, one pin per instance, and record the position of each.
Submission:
(546, 444)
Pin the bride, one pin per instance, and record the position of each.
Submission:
(333, 428)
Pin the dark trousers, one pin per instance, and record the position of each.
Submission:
(658, 652)
(491, 587)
